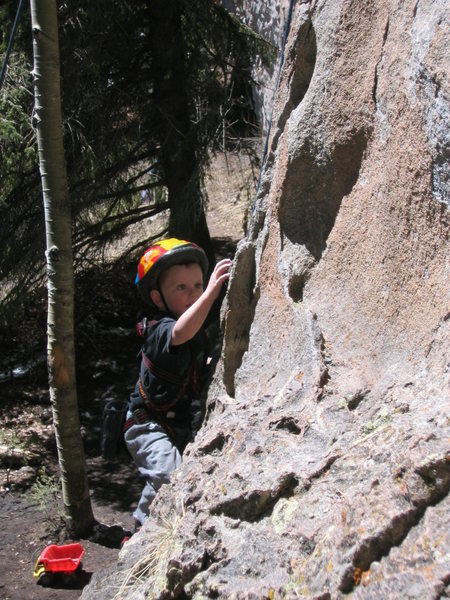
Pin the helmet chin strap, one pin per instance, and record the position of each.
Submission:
(158, 287)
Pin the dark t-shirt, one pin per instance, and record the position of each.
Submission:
(174, 363)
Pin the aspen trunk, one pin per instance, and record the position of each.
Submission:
(60, 345)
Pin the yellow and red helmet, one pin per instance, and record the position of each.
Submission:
(162, 255)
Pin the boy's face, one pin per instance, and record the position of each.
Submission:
(181, 286)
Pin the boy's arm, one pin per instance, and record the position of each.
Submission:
(191, 321)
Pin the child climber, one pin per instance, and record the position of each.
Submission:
(165, 412)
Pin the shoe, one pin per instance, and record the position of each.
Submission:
(109, 536)
(137, 527)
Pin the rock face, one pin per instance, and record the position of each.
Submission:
(267, 19)
(322, 470)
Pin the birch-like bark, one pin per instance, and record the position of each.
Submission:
(60, 345)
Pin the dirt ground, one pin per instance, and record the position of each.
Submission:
(107, 346)
(30, 497)
(26, 532)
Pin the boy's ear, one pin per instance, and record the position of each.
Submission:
(155, 297)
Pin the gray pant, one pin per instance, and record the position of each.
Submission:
(156, 456)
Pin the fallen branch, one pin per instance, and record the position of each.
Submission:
(14, 457)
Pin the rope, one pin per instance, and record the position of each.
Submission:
(264, 156)
(11, 39)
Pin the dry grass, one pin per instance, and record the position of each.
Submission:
(152, 564)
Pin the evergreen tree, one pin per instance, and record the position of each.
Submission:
(142, 112)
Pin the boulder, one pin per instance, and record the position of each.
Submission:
(322, 469)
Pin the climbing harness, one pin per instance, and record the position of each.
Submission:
(115, 423)
(161, 413)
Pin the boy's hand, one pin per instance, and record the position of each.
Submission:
(218, 277)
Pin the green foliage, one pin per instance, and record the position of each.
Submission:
(117, 119)
(21, 231)
(45, 493)
(12, 442)
(17, 145)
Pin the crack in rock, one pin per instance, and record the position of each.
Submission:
(215, 444)
(435, 472)
(181, 572)
(289, 423)
(253, 505)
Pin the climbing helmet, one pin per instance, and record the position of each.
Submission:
(162, 255)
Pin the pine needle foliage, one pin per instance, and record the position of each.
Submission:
(134, 125)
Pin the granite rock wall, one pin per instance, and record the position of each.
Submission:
(322, 470)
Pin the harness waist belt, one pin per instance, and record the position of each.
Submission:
(138, 416)
(145, 415)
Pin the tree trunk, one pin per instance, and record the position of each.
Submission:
(60, 345)
(176, 133)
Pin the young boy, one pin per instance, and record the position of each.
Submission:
(165, 411)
